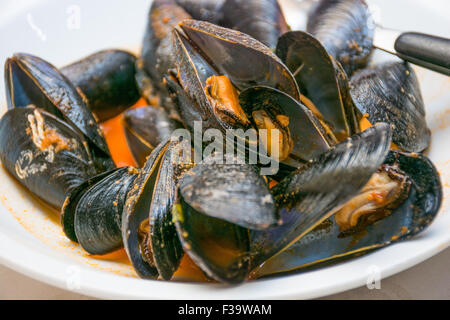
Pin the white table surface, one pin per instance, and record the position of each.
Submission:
(428, 280)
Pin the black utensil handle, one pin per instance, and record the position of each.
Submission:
(428, 51)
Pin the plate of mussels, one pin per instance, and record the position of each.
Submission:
(257, 149)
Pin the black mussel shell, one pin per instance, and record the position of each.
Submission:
(70, 204)
(188, 89)
(312, 194)
(96, 212)
(136, 212)
(346, 29)
(324, 245)
(206, 10)
(320, 79)
(156, 55)
(236, 193)
(218, 247)
(308, 134)
(29, 80)
(150, 237)
(44, 153)
(189, 111)
(261, 19)
(107, 79)
(163, 16)
(390, 93)
(145, 128)
(244, 60)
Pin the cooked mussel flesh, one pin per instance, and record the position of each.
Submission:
(149, 235)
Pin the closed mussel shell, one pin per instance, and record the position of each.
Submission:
(325, 244)
(346, 30)
(261, 19)
(150, 237)
(107, 79)
(31, 80)
(43, 153)
(98, 213)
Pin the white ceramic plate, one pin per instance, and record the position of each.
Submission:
(31, 240)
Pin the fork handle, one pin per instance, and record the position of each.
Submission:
(425, 50)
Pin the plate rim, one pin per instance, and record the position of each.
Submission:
(19, 257)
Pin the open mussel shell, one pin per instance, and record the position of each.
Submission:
(324, 245)
(145, 128)
(29, 80)
(189, 88)
(312, 194)
(156, 55)
(309, 136)
(218, 204)
(107, 79)
(244, 60)
(150, 237)
(206, 10)
(218, 247)
(318, 77)
(44, 153)
(261, 19)
(390, 93)
(96, 212)
(346, 30)
(236, 193)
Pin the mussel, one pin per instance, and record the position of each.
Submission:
(148, 232)
(44, 153)
(145, 128)
(390, 92)
(30, 80)
(311, 194)
(211, 77)
(261, 19)
(156, 55)
(218, 204)
(346, 29)
(205, 10)
(321, 79)
(327, 244)
(92, 212)
(107, 79)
